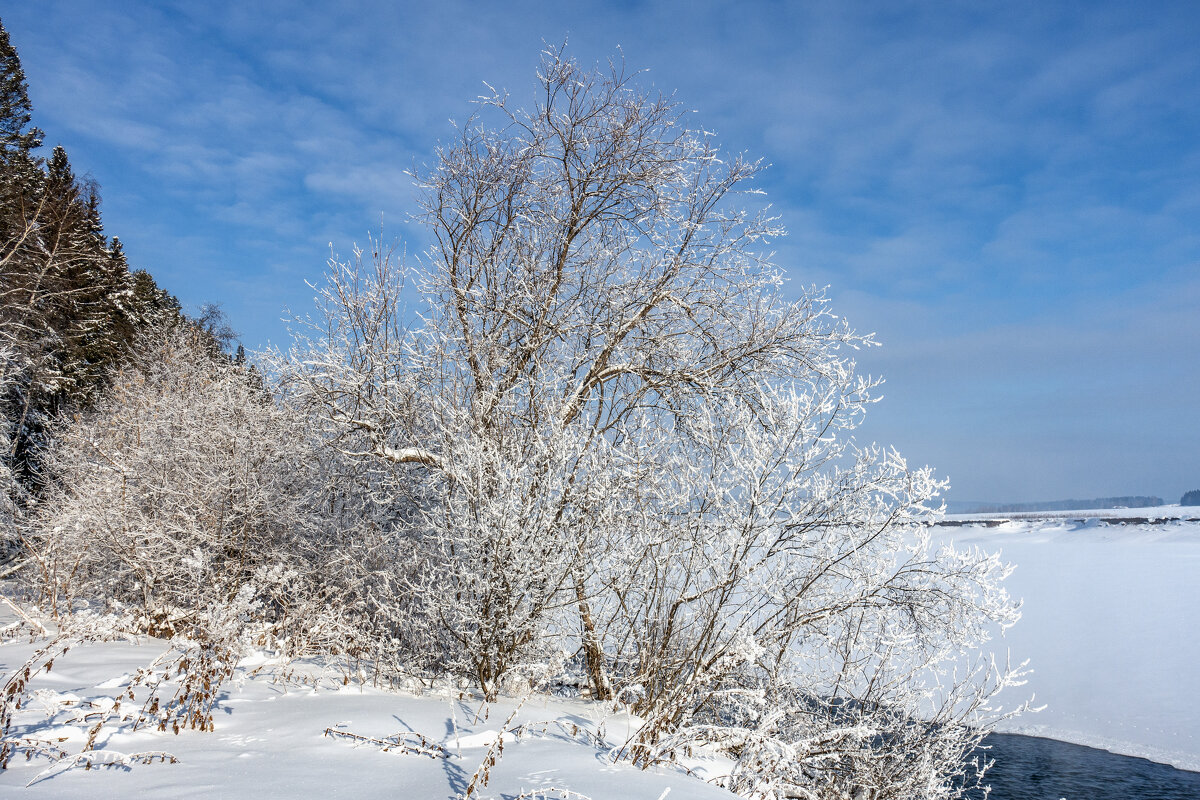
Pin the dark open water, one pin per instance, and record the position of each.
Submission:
(1030, 768)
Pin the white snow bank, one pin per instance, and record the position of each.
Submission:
(1110, 627)
(269, 742)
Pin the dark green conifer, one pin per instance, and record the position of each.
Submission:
(20, 170)
(16, 134)
(70, 310)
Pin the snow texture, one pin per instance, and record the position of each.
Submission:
(1109, 625)
(270, 741)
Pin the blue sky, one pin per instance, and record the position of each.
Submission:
(1008, 194)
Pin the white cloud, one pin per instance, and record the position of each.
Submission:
(1004, 193)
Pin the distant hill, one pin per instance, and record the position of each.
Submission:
(1054, 505)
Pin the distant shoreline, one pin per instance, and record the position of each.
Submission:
(1111, 503)
(1110, 516)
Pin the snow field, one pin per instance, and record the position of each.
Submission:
(1110, 625)
(270, 742)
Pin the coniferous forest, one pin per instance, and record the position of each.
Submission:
(70, 306)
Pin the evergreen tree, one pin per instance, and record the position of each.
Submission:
(151, 303)
(1191, 498)
(70, 310)
(20, 173)
(16, 134)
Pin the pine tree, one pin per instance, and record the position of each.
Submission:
(20, 173)
(16, 134)
(70, 310)
(152, 304)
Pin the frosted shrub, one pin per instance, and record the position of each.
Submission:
(605, 430)
(174, 493)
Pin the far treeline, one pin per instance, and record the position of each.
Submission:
(1191, 498)
(1135, 501)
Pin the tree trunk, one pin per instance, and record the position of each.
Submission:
(593, 654)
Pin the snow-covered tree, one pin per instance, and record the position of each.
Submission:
(69, 307)
(607, 430)
(17, 135)
(19, 138)
(188, 490)
(175, 492)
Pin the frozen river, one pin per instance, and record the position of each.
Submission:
(1110, 627)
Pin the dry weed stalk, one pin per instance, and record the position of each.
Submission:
(102, 758)
(408, 743)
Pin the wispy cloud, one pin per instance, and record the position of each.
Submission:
(1007, 193)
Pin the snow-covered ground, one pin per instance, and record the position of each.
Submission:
(1111, 625)
(270, 742)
